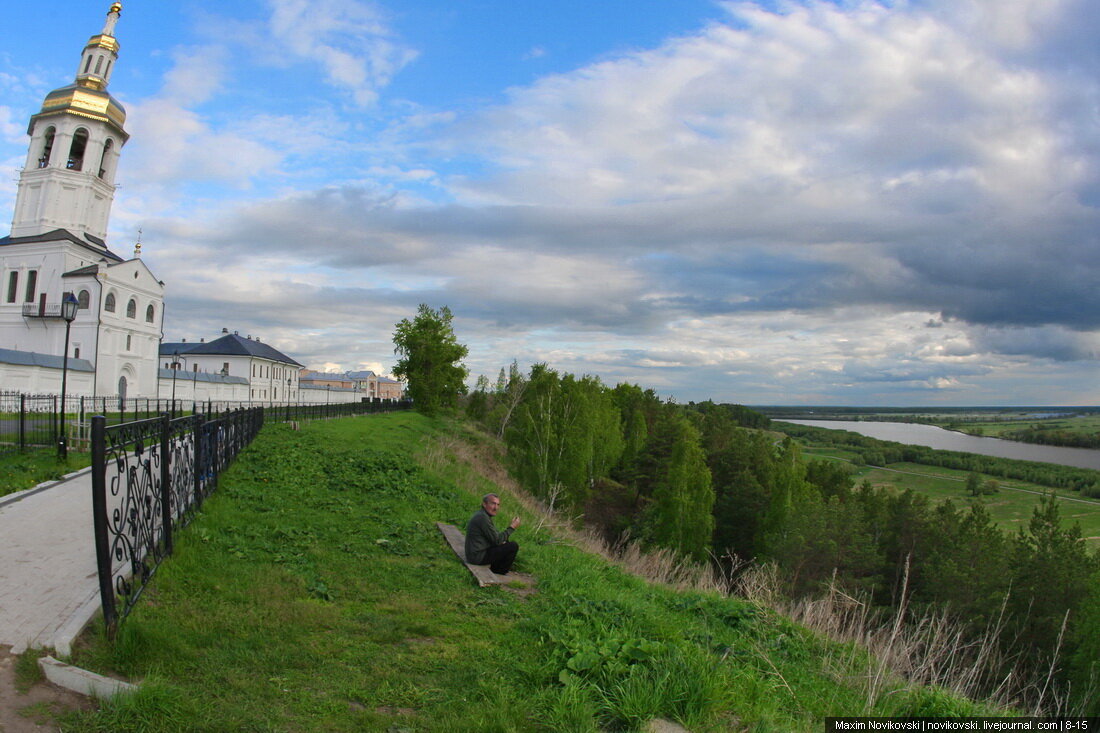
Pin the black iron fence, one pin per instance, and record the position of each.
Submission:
(27, 420)
(150, 476)
(148, 479)
(33, 421)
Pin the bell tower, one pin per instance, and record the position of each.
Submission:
(68, 181)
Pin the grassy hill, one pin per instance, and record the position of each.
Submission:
(315, 593)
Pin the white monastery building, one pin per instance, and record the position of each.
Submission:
(264, 373)
(58, 247)
(57, 251)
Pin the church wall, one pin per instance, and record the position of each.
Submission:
(44, 380)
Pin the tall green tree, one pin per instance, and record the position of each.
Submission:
(431, 359)
(683, 500)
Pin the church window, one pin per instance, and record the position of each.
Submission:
(103, 161)
(98, 64)
(131, 309)
(107, 70)
(13, 285)
(32, 286)
(76, 352)
(88, 63)
(149, 312)
(109, 303)
(47, 148)
(76, 150)
(82, 300)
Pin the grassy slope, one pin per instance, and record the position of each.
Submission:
(314, 592)
(1010, 508)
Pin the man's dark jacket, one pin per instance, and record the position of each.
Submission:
(481, 535)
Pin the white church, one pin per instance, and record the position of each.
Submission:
(58, 247)
(57, 252)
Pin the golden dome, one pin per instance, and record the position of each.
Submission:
(93, 104)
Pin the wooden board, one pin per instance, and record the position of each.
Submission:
(457, 541)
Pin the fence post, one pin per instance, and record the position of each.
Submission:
(22, 421)
(196, 428)
(166, 481)
(99, 521)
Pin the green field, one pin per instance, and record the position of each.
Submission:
(1078, 425)
(1011, 507)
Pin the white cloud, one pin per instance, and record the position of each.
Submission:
(853, 202)
(348, 38)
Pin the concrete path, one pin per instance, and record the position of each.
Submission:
(49, 587)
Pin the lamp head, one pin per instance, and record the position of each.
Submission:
(69, 306)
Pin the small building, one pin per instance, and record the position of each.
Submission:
(271, 375)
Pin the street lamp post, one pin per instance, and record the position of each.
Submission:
(175, 368)
(69, 306)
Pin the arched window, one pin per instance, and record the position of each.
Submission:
(76, 353)
(88, 64)
(149, 312)
(131, 309)
(76, 151)
(98, 64)
(103, 161)
(47, 148)
(82, 300)
(109, 303)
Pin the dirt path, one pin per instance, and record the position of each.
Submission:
(33, 710)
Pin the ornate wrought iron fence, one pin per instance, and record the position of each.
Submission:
(148, 478)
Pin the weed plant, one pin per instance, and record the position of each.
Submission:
(314, 592)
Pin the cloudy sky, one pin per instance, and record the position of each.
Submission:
(877, 203)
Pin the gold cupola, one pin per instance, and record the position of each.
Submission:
(87, 97)
(68, 181)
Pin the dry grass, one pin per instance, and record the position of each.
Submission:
(905, 650)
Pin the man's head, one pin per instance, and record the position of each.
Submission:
(490, 503)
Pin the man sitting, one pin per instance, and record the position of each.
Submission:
(486, 546)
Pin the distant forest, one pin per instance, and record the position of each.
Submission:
(716, 484)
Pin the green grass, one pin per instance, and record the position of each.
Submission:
(1075, 425)
(1008, 507)
(26, 469)
(315, 593)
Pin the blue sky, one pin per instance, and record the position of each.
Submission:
(783, 202)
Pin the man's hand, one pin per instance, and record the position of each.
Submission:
(515, 523)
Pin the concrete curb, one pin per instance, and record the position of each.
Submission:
(20, 495)
(63, 638)
(82, 681)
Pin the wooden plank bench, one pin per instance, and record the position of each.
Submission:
(482, 574)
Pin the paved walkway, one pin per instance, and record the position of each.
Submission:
(49, 586)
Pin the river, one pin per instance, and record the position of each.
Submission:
(934, 437)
